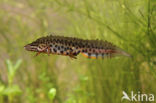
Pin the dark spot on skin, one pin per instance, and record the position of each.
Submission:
(61, 52)
(92, 46)
(78, 52)
(88, 46)
(74, 53)
(65, 41)
(86, 43)
(96, 55)
(61, 41)
(103, 55)
(93, 50)
(70, 42)
(62, 46)
(71, 49)
(89, 54)
(81, 46)
(55, 50)
(56, 41)
(77, 44)
(58, 48)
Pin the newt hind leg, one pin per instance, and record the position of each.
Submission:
(72, 57)
(74, 54)
(37, 54)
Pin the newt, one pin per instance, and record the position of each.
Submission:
(70, 46)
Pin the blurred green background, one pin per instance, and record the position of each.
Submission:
(129, 24)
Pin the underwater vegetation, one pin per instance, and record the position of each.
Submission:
(128, 24)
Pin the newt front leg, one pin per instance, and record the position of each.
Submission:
(37, 53)
(48, 51)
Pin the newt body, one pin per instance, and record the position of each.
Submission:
(71, 47)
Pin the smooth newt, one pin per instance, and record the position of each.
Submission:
(71, 47)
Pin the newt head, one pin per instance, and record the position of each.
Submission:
(36, 47)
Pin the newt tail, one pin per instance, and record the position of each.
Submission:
(69, 46)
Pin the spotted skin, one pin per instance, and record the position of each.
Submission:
(71, 47)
